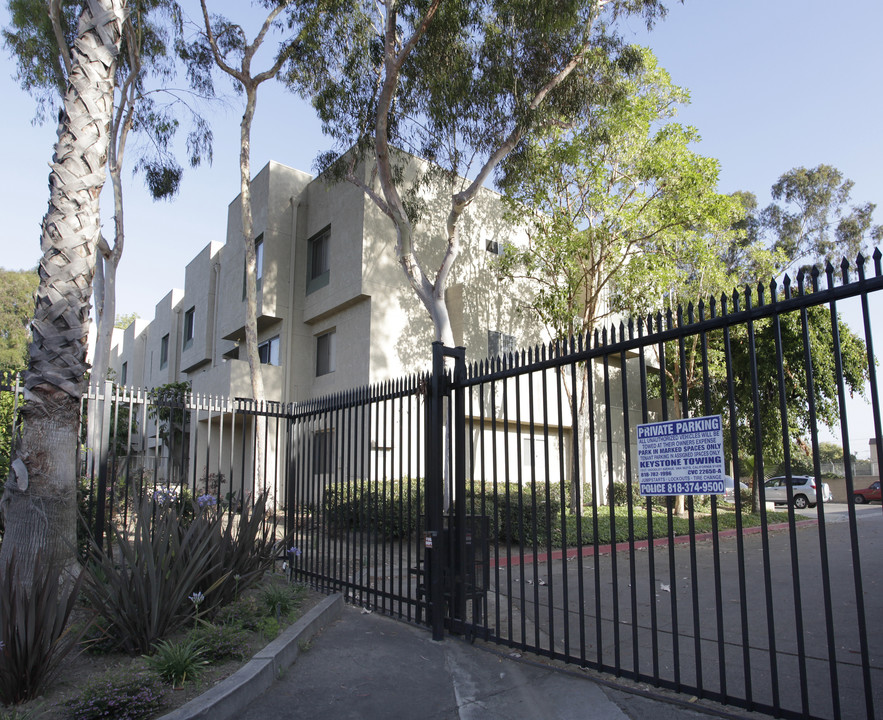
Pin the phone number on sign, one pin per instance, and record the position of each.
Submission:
(699, 487)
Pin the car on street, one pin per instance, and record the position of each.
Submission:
(866, 495)
(729, 488)
(804, 491)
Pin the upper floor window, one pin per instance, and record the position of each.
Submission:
(164, 352)
(124, 372)
(268, 351)
(496, 247)
(326, 353)
(258, 265)
(499, 343)
(189, 317)
(318, 264)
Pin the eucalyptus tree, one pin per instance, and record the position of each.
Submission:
(812, 218)
(39, 498)
(462, 84)
(616, 191)
(225, 45)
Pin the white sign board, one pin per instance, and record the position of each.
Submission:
(681, 457)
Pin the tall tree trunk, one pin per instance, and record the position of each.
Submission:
(251, 283)
(39, 503)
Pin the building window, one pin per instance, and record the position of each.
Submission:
(318, 267)
(496, 247)
(499, 343)
(323, 456)
(124, 373)
(164, 352)
(268, 351)
(258, 265)
(325, 353)
(188, 327)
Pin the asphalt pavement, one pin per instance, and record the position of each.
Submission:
(365, 665)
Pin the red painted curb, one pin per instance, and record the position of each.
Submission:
(528, 559)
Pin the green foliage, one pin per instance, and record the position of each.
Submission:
(34, 638)
(117, 695)
(16, 309)
(618, 494)
(390, 508)
(220, 642)
(122, 321)
(245, 547)
(8, 402)
(140, 586)
(281, 599)
(620, 181)
(518, 513)
(812, 220)
(176, 662)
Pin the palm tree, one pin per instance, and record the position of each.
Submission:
(39, 502)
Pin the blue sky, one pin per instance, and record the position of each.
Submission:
(775, 84)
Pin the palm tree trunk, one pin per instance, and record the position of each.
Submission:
(39, 503)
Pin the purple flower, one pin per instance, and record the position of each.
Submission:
(206, 500)
(294, 551)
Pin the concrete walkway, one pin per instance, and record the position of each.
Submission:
(370, 666)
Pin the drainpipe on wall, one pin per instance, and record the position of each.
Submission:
(289, 389)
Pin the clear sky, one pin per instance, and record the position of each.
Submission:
(775, 84)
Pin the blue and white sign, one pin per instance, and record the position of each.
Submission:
(681, 457)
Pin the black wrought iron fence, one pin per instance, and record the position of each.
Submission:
(502, 499)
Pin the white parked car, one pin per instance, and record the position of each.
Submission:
(730, 488)
(804, 489)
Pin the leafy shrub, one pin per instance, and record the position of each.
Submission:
(281, 600)
(175, 662)
(220, 642)
(518, 513)
(140, 585)
(618, 494)
(245, 546)
(33, 627)
(390, 508)
(244, 612)
(117, 695)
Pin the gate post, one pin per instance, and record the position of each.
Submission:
(435, 536)
(445, 546)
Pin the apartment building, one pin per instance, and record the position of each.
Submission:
(335, 310)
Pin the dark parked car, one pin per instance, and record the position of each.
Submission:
(865, 495)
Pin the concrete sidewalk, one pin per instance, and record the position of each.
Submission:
(365, 665)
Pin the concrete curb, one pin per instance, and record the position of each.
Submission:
(230, 697)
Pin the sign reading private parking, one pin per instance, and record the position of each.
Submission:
(681, 457)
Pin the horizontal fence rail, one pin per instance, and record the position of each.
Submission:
(777, 617)
(500, 499)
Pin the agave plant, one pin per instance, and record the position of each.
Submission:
(246, 547)
(34, 632)
(142, 584)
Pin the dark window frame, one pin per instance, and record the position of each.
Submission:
(319, 260)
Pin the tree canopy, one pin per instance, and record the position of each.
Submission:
(16, 308)
(461, 84)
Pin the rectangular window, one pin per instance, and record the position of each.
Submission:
(326, 346)
(499, 343)
(318, 262)
(268, 351)
(164, 352)
(322, 452)
(124, 372)
(495, 247)
(258, 265)
(188, 327)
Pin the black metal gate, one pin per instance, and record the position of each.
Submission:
(499, 500)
